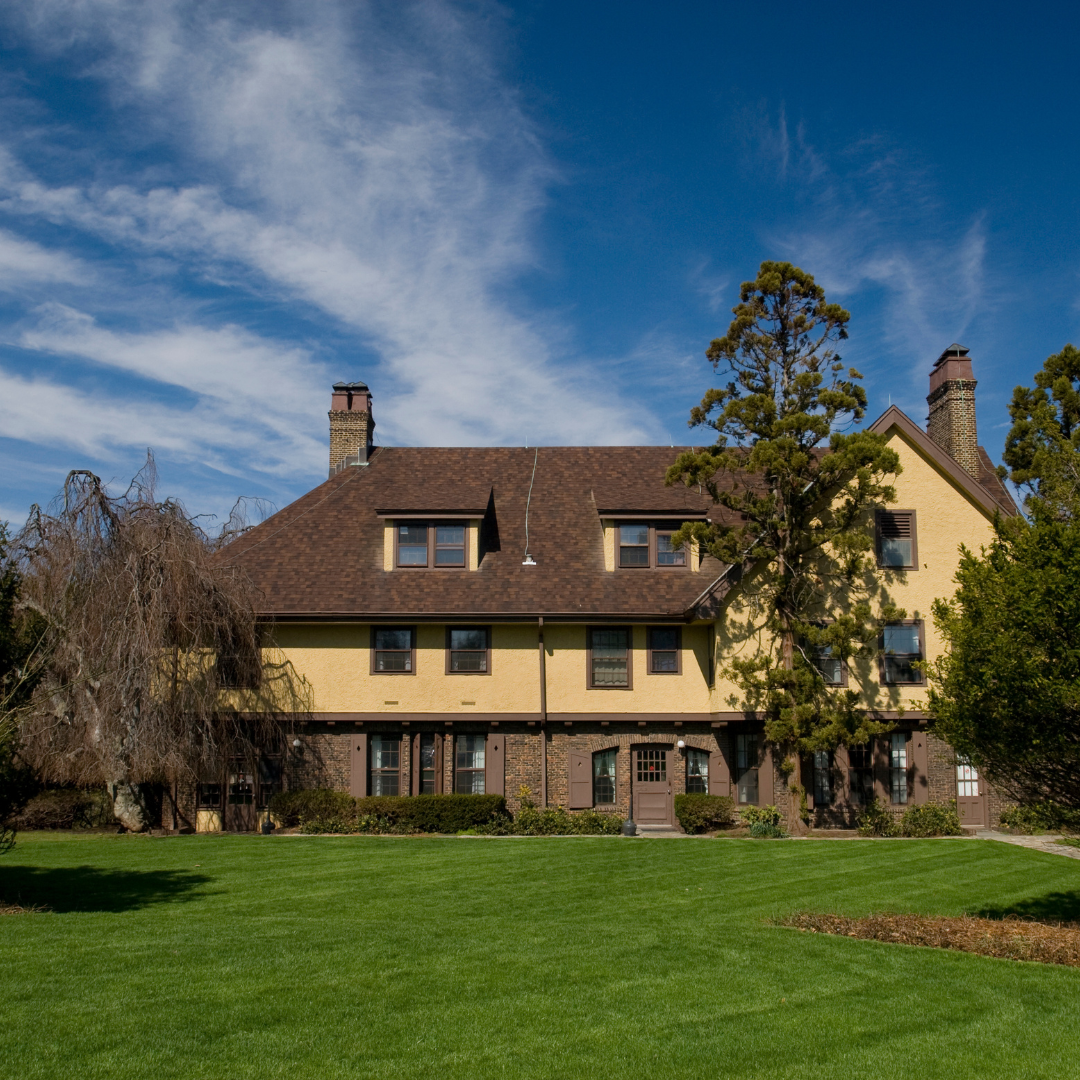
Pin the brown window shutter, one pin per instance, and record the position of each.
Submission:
(358, 766)
(919, 769)
(580, 780)
(495, 764)
(719, 772)
(765, 778)
(882, 787)
(806, 768)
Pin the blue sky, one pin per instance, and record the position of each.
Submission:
(518, 223)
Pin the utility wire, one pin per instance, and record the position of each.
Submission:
(528, 502)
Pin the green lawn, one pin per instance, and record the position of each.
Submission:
(235, 956)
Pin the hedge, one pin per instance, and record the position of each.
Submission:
(323, 810)
(701, 813)
(552, 821)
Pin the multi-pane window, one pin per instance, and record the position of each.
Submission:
(468, 647)
(651, 766)
(209, 796)
(898, 778)
(412, 541)
(393, 648)
(642, 545)
(746, 768)
(666, 555)
(830, 667)
(967, 780)
(603, 778)
(697, 772)
(664, 650)
(449, 545)
(241, 784)
(896, 541)
(901, 650)
(609, 658)
(385, 753)
(427, 763)
(861, 763)
(427, 544)
(469, 764)
(633, 545)
(823, 786)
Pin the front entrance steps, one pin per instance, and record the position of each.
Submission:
(659, 830)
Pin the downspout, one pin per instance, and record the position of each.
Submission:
(543, 716)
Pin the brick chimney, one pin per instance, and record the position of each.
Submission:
(351, 425)
(951, 423)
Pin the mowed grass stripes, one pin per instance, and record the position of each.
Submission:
(248, 956)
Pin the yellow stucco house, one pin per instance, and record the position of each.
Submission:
(483, 619)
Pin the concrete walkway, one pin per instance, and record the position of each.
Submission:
(1045, 843)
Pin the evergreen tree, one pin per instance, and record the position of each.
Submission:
(1042, 449)
(799, 492)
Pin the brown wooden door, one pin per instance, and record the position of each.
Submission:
(652, 785)
(970, 797)
(241, 814)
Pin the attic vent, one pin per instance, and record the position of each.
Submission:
(896, 538)
(895, 526)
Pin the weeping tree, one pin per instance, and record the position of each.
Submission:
(20, 635)
(148, 638)
(797, 493)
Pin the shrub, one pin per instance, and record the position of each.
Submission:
(930, 819)
(553, 821)
(760, 815)
(325, 811)
(875, 820)
(766, 830)
(302, 807)
(66, 808)
(700, 813)
(1041, 817)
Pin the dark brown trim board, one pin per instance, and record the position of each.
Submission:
(894, 417)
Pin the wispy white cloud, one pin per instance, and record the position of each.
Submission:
(24, 263)
(249, 403)
(365, 162)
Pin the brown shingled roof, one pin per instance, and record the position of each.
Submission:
(322, 557)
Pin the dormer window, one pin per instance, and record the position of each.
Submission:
(431, 544)
(642, 545)
(633, 545)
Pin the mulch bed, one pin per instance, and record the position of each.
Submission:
(15, 909)
(1008, 939)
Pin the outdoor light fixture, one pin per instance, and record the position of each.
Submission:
(296, 744)
(680, 744)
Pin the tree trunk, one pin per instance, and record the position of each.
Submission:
(129, 806)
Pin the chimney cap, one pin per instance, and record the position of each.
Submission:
(951, 353)
(350, 386)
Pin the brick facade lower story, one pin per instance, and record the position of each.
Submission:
(329, 756)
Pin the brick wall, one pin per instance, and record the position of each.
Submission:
(348, 432)
(951, 423)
